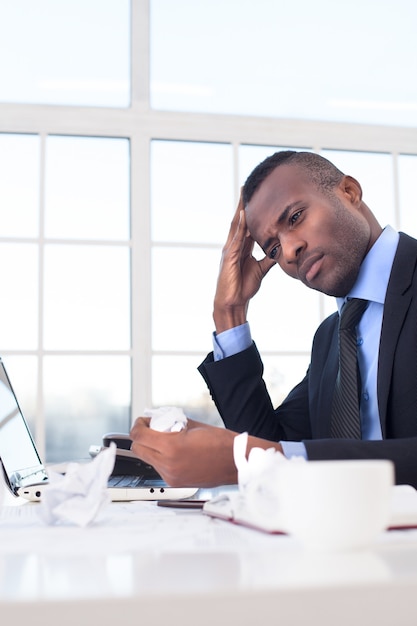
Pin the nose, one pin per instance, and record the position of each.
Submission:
(291, 248)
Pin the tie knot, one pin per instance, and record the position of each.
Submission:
(351, 313)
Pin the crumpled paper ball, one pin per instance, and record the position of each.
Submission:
(166, 419)
(259, 478)
(77, 496)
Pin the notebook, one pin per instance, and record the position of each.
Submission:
(26, 475)
(232, 507)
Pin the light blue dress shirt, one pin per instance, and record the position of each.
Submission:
(371, 284)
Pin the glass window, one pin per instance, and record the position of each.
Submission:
(282, 374)
(375, 173)
(23, 374)
(284, 314)
(19, 289)
(87, 298)
(192, 191)
(85, 397)
(72, 53)
(286, 59)
(177, 382)
(407, 174)
(87, 188)
(183, 285)
(19, 185)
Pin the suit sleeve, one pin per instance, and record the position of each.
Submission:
(240, 395)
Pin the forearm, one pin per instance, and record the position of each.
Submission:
(239, 392)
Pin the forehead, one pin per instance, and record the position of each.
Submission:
(285, 185)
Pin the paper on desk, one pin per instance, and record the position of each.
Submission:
(79, 495)
(258, 467)
(166, 419)
(258, 498)
(258, 479)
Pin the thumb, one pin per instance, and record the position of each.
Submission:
(266, 264)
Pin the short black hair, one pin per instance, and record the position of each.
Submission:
(321, 172)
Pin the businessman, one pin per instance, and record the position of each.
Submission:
(354, 402)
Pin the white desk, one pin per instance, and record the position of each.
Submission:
(145, 565)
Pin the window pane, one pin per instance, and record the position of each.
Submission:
(192, 191)
(369, 169)
(74, 53)
(19, 185)
(282, 374)
(284, 314)
(87, 298)
(85, 397)
(407, 172)
(286, 59)
(177, 382)
(23, 374)
(87, 188)
(19, 289)
(183, 284)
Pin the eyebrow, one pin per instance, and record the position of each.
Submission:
(281, 219)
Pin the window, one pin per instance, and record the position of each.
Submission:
(296, 59)
(74, 53)
(66, 244)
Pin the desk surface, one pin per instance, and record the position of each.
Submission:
(144, 564)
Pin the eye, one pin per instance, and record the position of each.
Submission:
(274, 252)
(295, 216)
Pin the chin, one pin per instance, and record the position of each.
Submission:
(339, 290)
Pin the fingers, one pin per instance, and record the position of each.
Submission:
(144, 440)
(140, 424)
(238, 222)
(266, 264)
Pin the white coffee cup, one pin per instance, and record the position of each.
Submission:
(335, 505)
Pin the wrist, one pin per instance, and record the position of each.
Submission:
(224, 319)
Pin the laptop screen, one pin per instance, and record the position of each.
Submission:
(21, 463)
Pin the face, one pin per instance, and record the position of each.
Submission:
(318, 238)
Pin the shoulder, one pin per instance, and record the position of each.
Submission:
(406, 245)
(404, 269)
(325, 333)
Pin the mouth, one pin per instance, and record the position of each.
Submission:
(310, 268)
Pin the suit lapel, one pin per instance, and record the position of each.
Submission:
(323, 371)
(397, 302)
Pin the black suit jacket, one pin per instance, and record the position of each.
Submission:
(239, 392)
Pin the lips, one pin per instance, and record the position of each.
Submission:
(310, 268)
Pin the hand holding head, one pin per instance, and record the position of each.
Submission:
(240, 274)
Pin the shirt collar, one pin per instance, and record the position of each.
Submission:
(372, 281)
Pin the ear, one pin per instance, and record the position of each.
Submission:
(351, 190)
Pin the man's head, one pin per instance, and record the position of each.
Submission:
(310, 217)
(321, 172)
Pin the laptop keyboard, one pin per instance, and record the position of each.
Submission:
(123, 482)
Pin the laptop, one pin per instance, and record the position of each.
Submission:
(26, 475)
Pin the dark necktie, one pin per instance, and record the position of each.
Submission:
(346, 421)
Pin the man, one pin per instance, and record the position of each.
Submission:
(310, 219)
